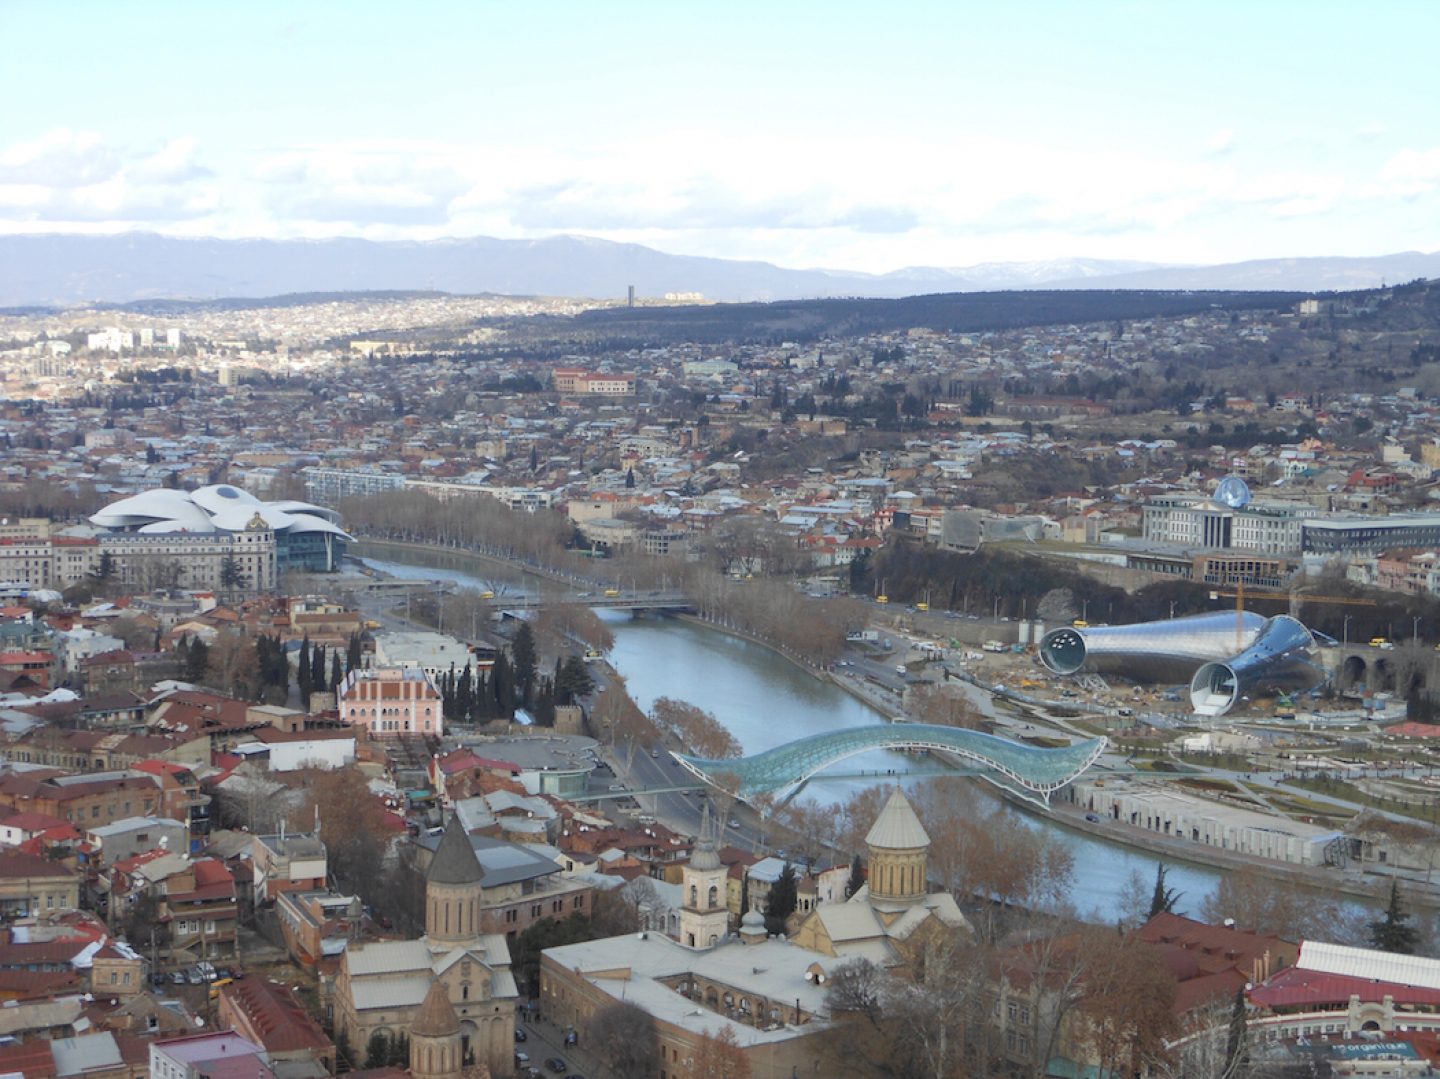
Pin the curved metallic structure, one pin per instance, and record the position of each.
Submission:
(1279, 658)
(1030, 768)
(1166, 651)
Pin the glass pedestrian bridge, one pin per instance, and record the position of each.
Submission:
(1027, 770)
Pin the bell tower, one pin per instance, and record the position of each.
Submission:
(453, 884)
(704, 915)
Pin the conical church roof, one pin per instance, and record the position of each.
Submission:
(897, 827)
(454, 861)
(436, 1017)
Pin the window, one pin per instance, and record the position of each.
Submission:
(579, 902)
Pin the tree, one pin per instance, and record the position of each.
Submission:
(573, 680)
(718, 1056)
(523, 659)
(302, 672)
(857, 877)
(197, 657)
(377, 1051)
(1128, 1003)
(233, 666)
(782, 900)
(231, 575)
(1390, 933)
(623, 1037)
(1163, 900)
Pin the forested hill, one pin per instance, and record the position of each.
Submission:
(962, 312)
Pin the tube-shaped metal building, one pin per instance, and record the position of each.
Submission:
(1224, 655)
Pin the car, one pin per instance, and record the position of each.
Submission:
(654, 753)
(556, 1065)
(617, 786)
(733, 823)
(159, 980)
(194, 977)
(177, 977)
(520, 1035)
(1092, 818)
(522, 1058)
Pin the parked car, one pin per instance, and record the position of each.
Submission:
(520, 1035)
(194, 977)
(1092, 818)
(556, 1065)
(177, 977)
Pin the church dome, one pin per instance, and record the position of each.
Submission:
(897, 827)
(436, 1017)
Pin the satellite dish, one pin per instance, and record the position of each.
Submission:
(1233, 492)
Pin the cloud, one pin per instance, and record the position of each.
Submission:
(76, 177)
(1221, 141)
(1412, 172)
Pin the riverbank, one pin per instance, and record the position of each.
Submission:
(765, 719)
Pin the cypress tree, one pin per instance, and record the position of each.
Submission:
(302, 671)
(317, 668)
(336, 673)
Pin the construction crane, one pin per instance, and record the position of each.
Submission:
(1296, 598)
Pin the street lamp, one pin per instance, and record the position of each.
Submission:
(1415, 629)
(1347, 628)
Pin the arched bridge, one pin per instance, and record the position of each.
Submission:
(1026, 770)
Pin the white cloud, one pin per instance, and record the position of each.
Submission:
(1412, 172)
(1221, 141)
(871, 204)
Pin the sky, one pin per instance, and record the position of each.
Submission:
(841, 135)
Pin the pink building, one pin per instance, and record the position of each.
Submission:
(391, 701)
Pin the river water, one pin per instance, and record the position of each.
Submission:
(764, 700)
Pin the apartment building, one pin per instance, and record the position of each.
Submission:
(390, 702)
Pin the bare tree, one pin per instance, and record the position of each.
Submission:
(623, 1036)
(718, 1056)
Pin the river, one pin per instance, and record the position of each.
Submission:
(764, 700)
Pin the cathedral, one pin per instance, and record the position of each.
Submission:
(451, 992)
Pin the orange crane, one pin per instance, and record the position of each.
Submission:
(1296, 598)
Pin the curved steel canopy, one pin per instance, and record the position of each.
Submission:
(1042, 771)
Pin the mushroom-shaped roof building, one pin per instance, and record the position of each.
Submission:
(306, 536)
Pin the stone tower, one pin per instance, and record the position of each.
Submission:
(452, 890)
(704, 915)
(435, 1051)
(898, 849)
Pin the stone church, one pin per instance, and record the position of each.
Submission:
(390, 986)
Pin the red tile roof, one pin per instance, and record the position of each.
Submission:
(1312, 989)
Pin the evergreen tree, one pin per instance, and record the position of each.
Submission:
(744, 894)
(545, 704)
(630, 479)
(784, 897)
(196, 660)
(317, 669)
(522, 655)
(337, 672)
(302, 672)
(352, 652)
(572, 680)
(1163, 900)
(465, 696)
(377, 1051)
(857, 877)
(502, 686)
(1390, 933)
(1235, 1047)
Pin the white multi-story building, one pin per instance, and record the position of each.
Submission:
(1271, 528)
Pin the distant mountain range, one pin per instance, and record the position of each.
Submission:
(66, 270)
